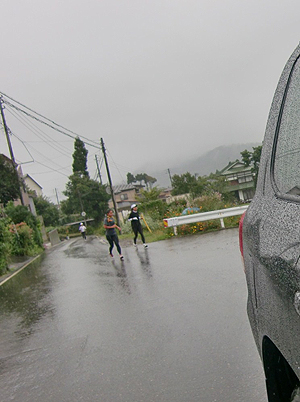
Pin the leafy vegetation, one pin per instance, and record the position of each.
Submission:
(47, 210)
(84, 194)
(80, 158)
(252, 159)
(141, 177)
(19, 234)
(5, 245)
(10, 183)
(19, 214)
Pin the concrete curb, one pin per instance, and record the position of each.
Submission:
(11, 275)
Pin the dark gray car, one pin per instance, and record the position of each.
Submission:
(270, 242)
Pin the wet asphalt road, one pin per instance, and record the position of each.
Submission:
(167, 324)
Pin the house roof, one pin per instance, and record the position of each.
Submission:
(235, 167)
(125, 187)
(28, 176)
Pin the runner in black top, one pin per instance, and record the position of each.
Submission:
(111, 234)
(134, 218)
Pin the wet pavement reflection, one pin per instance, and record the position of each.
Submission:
(166, 324)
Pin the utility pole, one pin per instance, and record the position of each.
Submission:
(57, 198)
(170, 176)
(98, 169)
(110, 183)
(12, 157)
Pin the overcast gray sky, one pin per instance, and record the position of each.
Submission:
(161, 81)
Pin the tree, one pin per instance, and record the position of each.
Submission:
(85, 195)
(218, 184)
(130, 178)
(47, 210)
(150, 195)
(19, 214)
(10, 182)
(246, 157)
(183, 184)
(149, 181)
(195, 185)
(252, 159)
(140, 177)
(80, 158)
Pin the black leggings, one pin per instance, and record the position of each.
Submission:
(138, 230)
(111, 240)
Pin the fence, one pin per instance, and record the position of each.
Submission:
(204, 216)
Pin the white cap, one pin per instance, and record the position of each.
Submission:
(133, 206)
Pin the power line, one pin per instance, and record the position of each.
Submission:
(34, 160)
(116, 167)
(36, 131)
(51, 126)
(51, 121)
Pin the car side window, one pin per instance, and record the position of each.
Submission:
(287, 154)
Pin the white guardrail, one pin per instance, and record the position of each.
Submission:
(204, 216)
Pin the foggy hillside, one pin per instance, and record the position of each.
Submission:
(205, 164)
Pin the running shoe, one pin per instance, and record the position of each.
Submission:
(121, 258)
(145, 245)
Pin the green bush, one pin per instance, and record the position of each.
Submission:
(23, 241)
(20, 214)
(5, 245)
(154, 208)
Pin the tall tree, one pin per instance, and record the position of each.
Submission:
(80, 158)
(246, 157)
(149, 180)
(182, 184)
(130, 178)
(85, 195)
(140, 177)
(252, 159)
(10, 182)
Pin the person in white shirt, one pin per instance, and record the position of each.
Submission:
(82, 230)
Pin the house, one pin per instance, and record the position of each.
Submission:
(240, 180)
(33, 186)
(26, 199)
(125, 195)
(165, 194)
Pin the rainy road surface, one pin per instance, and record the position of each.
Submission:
(168, 324)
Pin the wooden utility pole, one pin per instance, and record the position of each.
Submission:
(57, 198)
(170, 176)
(12, 157)
(110, 183)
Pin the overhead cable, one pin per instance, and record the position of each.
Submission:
(90, 143)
